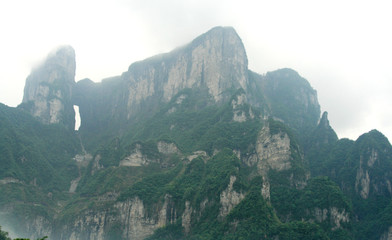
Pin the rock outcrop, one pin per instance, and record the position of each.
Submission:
(387, 235)
(136, 158)
(336, 217)
(167, 148)
(273, 151)
(48, 89)
(183, 100)
(373, 157)
(126, 220)
(229, 198)
(214, 63)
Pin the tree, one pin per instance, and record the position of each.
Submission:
(4, 235)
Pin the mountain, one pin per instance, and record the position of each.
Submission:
(48, 89)
(189, 144)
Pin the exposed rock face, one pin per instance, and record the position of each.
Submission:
(32, 226)
(187, 217)
(136, 158)
(326, 134)
(290, 98)
(372, 159)
(167, 148)
(387, 235)
(229, 198)
(362, 183)
(96, 165)
(196, 154)
(9, 180)
(273, 151)
(82, 160)
(128, 220)
(215, 61)
(40, 226)
(241, 114)
(335, 217)
(48, 89)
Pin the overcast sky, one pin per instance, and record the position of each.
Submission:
(343, 48)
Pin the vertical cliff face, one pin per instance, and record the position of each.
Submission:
(215, 61)
(291, 99)
(214, 64)
(130, 219)
(373, 153)
(48, 89)
(320, 143)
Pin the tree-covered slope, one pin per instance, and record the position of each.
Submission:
(190, 144)
(36, 166)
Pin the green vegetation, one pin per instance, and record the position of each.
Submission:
(29, 148)
(319, 197)
(196, 125)
(4, 235)
(290, 99)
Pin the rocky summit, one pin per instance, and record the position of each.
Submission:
(189, 144)
(48, 89)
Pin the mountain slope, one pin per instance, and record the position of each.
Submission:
(36, 170)
(188, 144)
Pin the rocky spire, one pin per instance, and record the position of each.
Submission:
(322, 136)
(325, 132)
(48, 89)
(324, 122)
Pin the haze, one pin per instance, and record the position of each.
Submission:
(343, 48)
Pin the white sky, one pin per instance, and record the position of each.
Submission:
(343, 48)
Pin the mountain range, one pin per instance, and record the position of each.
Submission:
(189, 144)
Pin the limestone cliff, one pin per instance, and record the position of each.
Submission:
(290, 98)
(229, 198)
(373, 154)
(181, 140)
(48, 89)
(122, 220)
(277, 153)
(214, 63)
(387, 235)
(320, 143)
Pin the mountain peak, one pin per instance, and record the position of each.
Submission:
(61, 57)
(215, 61)
(329, 134)
(226, 40)
(48, 89)
(324, 122)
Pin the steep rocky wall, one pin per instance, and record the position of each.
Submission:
(215, 61)
(48, 89)
(372, 158)
(127, 220)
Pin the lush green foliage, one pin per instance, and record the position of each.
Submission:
(196, 125)
(36, 165)
(29, 148)
(287, 93)
(301, 230)
(4, 235)
(343, 161)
